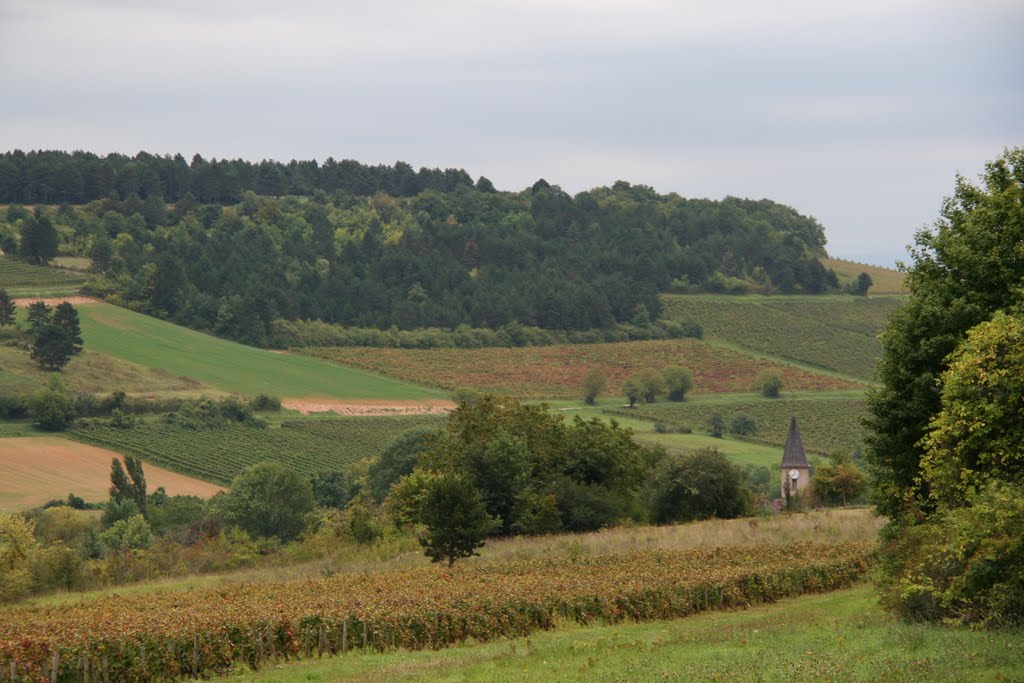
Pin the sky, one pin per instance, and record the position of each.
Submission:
(860, 113)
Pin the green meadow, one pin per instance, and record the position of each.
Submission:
(228, 366)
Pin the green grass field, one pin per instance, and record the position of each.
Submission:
(218, 454)
(837, 333)
(231, 367)
(738, 451)
(839, 636)
(21, 279)
(828, 421)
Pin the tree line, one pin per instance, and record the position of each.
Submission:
(537, 258)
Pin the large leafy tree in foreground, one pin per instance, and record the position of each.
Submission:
(969, 266)
(947, 442)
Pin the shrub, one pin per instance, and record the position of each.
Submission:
(770, 384)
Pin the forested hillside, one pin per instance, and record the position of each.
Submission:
(385, 246)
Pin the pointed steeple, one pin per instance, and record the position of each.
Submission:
(794, 455)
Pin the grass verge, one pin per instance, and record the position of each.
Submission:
(839, 636)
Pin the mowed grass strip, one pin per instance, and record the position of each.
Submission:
(837, 333)
(228, 366)
(557, 372)
(218, 454)
(839, 636)
(42, 468)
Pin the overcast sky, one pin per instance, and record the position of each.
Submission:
(858, 113)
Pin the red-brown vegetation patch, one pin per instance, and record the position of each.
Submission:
(75, 300)
(38, 469)
(558, 371)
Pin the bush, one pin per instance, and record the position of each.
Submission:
(697, 485)
(52, 409)
(743, 425)
(964, 564)
(770, 384)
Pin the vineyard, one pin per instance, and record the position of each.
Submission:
(218, 454)
(200, 632)
(21, 278)
(557, 372)
(826, 424)
(836, 333)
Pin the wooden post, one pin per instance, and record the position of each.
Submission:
(365, 638)
(344, 635)
(320, 643)
(14, 670)
(54, 666)
(195, 655)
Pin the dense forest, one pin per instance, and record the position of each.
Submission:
(232, 246)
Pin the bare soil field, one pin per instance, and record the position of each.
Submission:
(368, 407)
(74, 300)
(34, 470)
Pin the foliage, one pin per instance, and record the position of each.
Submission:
(964, 563)
(743, 424)
(964, 269)
(52, 348)
(128, 534)
(66, 317)
(52, 409)
(397, 460)
(220, 452)
(978, 434)
(331, 489)
(267, 499)
(202, 632)
(697, 485)
(839, 482)
(651, 384)
(456, 519)
(7, 309)
(947, 463)
(631, 388)
(716, 425)
(38, 238)
(594, 383)
(861, 285)
(770, 384)
(128, 486)
(555, 371)
(678, 381)
(530, 466)
(838, 333)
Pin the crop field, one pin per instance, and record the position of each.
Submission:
(23, 279)
(192, 633)
(825, 424)
(42, 468)
(883, 280)
(837, 333)
(557, 371)
(218, 454)
(227, 366)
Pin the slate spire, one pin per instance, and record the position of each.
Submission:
(794, 455)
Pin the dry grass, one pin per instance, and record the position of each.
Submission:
(884, 280)
(834, 526)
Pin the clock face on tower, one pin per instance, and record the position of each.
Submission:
(794, 474)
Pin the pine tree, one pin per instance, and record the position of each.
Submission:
(7, 308)
(66, 317)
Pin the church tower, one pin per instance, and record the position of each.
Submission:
(796, 471)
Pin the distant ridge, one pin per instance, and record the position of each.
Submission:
(885, 280)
